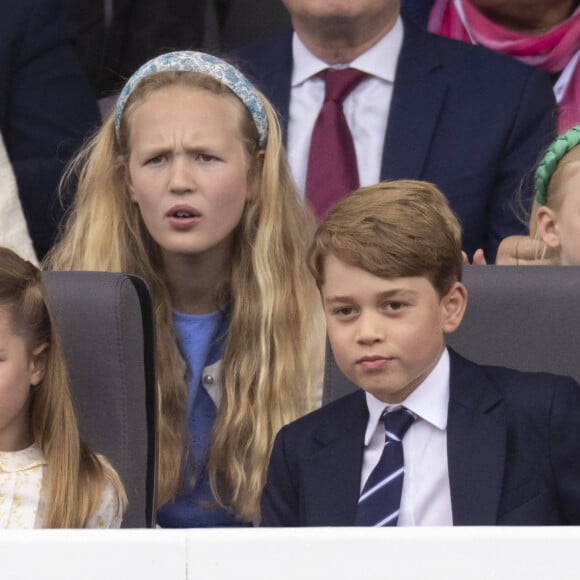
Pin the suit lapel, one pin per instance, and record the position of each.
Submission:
(332, 480)
(476, 444)
(418, 97)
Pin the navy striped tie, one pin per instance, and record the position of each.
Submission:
(379, 502)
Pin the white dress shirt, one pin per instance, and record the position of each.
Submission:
(366, 108)
(426, 496)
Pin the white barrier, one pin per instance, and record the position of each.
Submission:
(280, 554)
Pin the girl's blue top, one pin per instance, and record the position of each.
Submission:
(201, 339)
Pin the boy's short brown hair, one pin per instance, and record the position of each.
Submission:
(391, 230)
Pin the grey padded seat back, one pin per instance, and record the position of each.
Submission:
(524, 317)
(106, 326)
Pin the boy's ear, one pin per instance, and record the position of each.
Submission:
(548, 227)
(38, 358)
(454, 304)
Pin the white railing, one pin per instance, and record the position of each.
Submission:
(296, 554)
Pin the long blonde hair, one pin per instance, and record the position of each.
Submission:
(74, 475)
(273, 359)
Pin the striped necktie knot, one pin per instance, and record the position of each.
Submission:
(397, 423)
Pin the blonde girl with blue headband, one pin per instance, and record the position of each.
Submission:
(187, 185)
(48, 477)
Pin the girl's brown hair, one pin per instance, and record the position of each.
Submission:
(75, 477)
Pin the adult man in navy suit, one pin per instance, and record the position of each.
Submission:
(487, 446)
(468, 120)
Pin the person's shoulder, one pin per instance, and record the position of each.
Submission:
(330, 417)
(417, 10)
(262, 53)
(27, 25)
(537, 398)
(538, 379)
(15, 18)
(533, 389)
(20, 10)
(467, 56)
(27, 10)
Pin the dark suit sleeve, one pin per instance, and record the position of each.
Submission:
(280, 499)
(50, 108)
(565, 449)
(534, 126)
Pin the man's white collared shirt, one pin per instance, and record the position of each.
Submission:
(366, 108)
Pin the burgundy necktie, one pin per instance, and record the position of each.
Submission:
(332, 169)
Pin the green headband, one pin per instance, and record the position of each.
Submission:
(564, 143)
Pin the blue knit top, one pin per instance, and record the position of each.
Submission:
(201, 339)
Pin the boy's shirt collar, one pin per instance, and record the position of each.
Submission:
(429, 401)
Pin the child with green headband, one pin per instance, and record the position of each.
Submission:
(186, 184)
(556, 212)
(554, 224)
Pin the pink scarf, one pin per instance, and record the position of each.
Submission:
(555, 51)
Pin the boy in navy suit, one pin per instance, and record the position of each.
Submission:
(482, 446)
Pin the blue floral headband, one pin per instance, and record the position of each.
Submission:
(206, 64)
(562, 145)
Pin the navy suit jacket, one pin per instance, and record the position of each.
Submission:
(417, 11)
(47, 107)
(513, 446)
(471, 121)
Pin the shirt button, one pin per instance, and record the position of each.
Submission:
(208, 380)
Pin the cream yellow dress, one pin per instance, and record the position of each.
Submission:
(21, 499)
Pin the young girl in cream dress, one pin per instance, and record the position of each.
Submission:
(48, 477)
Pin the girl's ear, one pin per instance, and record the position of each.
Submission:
(548, 227)
(38, 358)
(125, 174)
(453, 305)
(255, 175)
